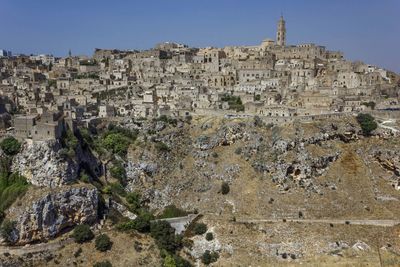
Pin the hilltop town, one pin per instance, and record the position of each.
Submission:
(273, 80)
(265, 155)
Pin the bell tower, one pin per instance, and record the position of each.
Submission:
(281, 33)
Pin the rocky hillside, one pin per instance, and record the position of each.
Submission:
(268, 194)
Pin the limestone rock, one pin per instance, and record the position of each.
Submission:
(43, 165)
(45, 216)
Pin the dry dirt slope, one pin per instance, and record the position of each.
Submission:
(352, 187)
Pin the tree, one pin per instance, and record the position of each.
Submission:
(367, 123)
(133, 199)
(103, 243)
(82, 233)
(200, 228)
(209, 257)
(10, 146)
(164, 236)
(209, 236)
(117, 143)
(142, 222)
(225, 188)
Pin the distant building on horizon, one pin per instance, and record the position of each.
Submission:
(5, 53)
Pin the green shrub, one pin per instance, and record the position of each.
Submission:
(10, 146)
(133, 198)
(117, 143)
(141, 223)
(117, 189)
(116, 140)
(105, 263)
(165, 237)
(225, 188)
(209, 257)
(172, 211)
(234, 102)
(174, 260)
(12, 186)
(181, 262)
(162, 147)
(126, 226)
(209, 236)
(367, 123)
(84, 177)
(118, 171)
(103, 243)
(107, 189)
(70, 143)
(169, 261)
(6, 230)
(82, 233)
(200, 228)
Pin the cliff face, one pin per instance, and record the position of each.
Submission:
(43, 164)
(45, 214)
(52, 205)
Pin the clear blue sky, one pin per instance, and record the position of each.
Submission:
(363, 29)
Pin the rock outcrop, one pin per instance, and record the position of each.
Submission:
(44, 164)
(227, 135)
(52, 212)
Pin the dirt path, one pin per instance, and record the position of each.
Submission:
(383, 223)
(22, 250)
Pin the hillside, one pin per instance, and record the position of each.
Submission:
(318, 193)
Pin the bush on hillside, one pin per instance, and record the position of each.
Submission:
(200, 228)
(10, 146)
(367, 123)
(12, 186)
(172, 211)
(209, 257)
(82, 233)
(133, 198)
(209, 236)
(140, 224)
(103, 243)
(225, 188)
(165, 237)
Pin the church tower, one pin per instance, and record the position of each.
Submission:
(281, 33)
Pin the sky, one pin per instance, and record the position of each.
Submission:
(366, 30)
